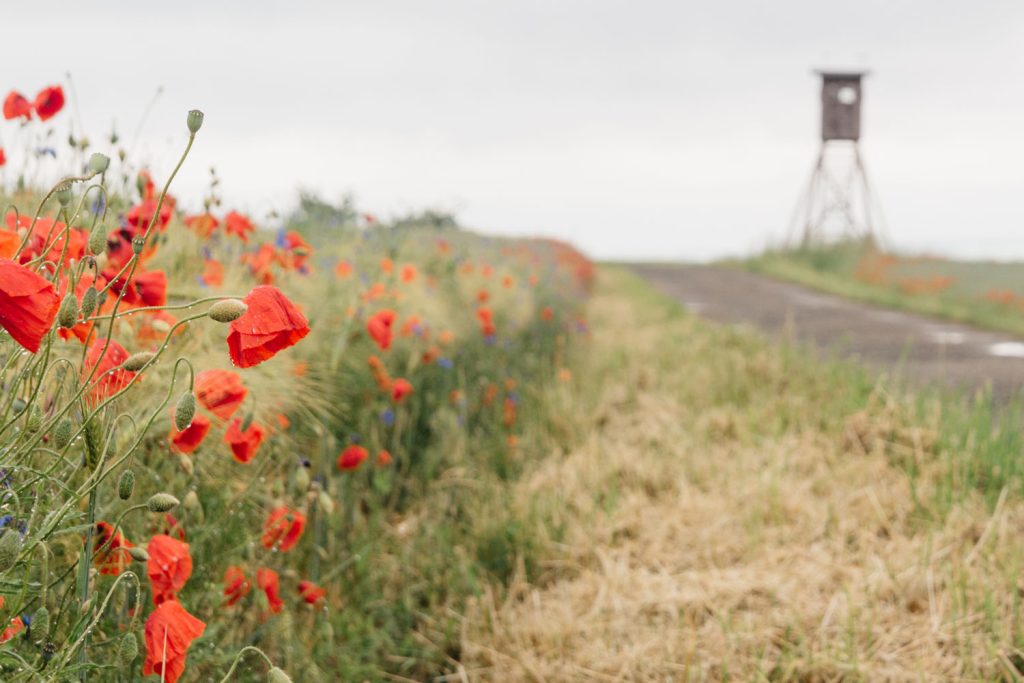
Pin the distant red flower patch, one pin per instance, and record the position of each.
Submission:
(49, 102)
(238, 225)
(109, 377)
(271, 324)
(352, 457)
(400, 388)
(270, 584)
(244, 444)
(111, 550)
(311, 592)
(170, 630)
(28, 304)
(283, 528)
(17, 106)
(220, 391)
(189, 439)
(378, 326)
(236, 585)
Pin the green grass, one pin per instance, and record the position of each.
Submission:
(832, 269)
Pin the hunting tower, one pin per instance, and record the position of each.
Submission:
(837, 202)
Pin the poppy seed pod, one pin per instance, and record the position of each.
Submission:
(89, 300)
(137, 361)
(10, 546)
(98, 163)
(138, 244)
(98, 239)
(62, 434)
(227, 310)
(127, 649)
(277, 675)
(194, 121)
(126, 485)
(34, 421)
(185, 411)
(162, 502)
(138, 554)
(63, 194)
(67, 314)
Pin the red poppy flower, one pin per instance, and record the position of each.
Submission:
(408, 273)
(400, 388)
(220, 391)
(28, 304)
(141, 215)
(3, 157)
(244, 445)
(311, 592)
(386, 265)
(343, 269)
(170, 631)
(154, 326)
(169, 567)
(283, 528)
(110, 550)
(486, 321)
(380, 373)
(147, 288)
(203, 224)
(9, 243)
(213, 273)
(109, 377)
(52, 240)
(16, 106)
(237, 224)
(188, 440)
(49, 102)
(236, 585)
(379, 327)
(352, 457)
(271, 324)
(16, 627)
(384, 458)
(270, 583)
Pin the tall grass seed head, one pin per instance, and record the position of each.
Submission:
(93, 442)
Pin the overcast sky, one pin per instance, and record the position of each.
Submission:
(636, 129)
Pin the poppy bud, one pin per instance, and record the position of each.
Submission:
(227, 310)
(186, 464)
(301, 479)
(93, 442)
(34, 421)
(67, 314)
(192, 503)
(162, 502)
(194, 121)
(139, 554)
(64, 194)
(89, 301)
(126, 485)
(41, 623)
(276, 675)
(247, 421)
(127, 649)
(185, 411)
(98, 163)
(325, 502)
(10, 546)
(137, 361)
(98, 239)
(138, 244)
(62, 434)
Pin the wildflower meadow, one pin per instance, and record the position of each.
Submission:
(244, 449)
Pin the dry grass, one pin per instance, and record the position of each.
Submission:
(760, 531)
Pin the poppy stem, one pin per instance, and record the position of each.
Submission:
(85, 560)
(238, 658)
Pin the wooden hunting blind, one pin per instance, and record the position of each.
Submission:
(838, 202)
(840, 105)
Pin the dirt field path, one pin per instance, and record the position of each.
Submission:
(926, 350)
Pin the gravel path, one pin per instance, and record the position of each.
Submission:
(925, 350)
